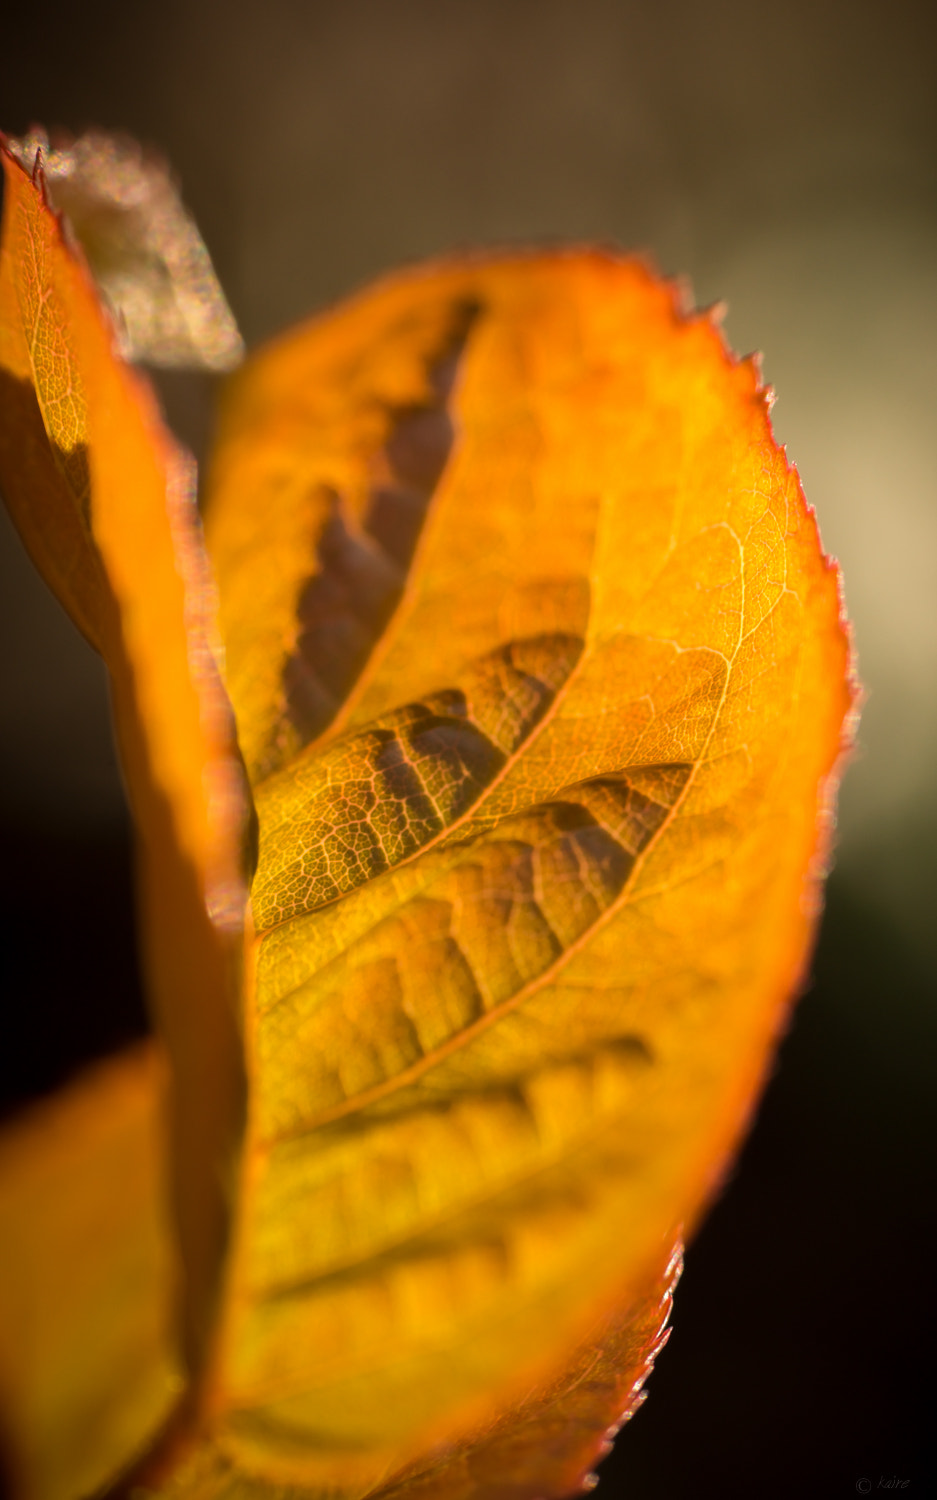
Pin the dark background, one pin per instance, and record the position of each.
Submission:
(786, 159)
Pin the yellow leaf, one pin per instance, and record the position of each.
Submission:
(540, 678)
(86, 1364)
(102, 498)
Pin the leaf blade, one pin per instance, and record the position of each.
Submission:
(103, 499)
(457, 1118)
(87, 1365)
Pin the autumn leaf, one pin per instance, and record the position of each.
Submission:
(103, 500)
(539, 675)
(87, 1367)
(540, 683)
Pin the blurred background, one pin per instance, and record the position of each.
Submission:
(784, 159)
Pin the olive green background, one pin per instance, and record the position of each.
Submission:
(784, 158)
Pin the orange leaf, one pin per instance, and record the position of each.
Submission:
(102, 498)
(540, 677)
(86, 1364)
(540, 682)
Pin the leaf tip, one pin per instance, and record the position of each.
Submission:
(119, 203)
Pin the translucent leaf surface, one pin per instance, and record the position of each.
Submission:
(86, 1350)
(540, 681)
(540, 677)
(102, 498)
(539, 1447)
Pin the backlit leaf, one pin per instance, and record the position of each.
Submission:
(86, 1359)
(540, 682)
(102, 498)
(537, 1448)
(540, 679)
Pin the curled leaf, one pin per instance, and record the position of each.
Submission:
(103, 500)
